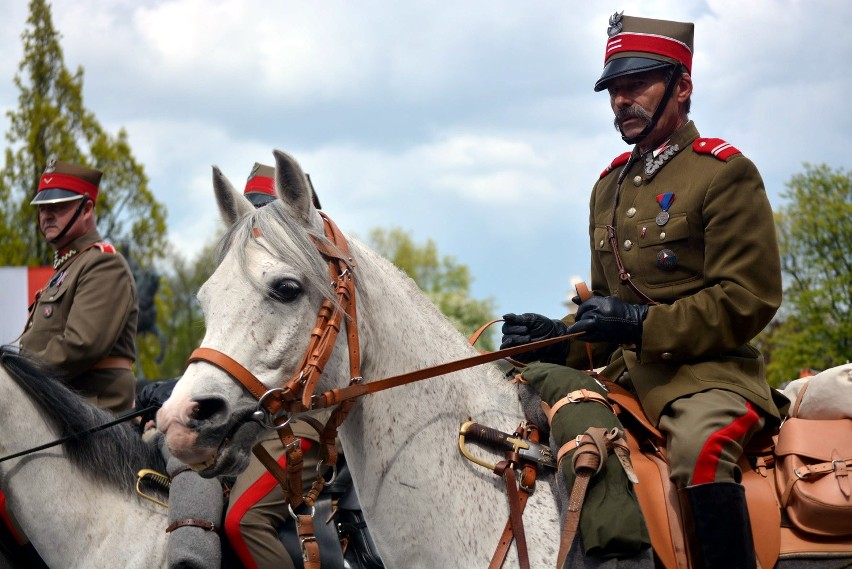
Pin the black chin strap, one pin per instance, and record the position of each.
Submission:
(71, 221)
(657, 113)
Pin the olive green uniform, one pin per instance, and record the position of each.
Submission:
(713, 266)
(85, 314)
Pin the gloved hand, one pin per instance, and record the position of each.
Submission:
(609, 319)
(519, 329)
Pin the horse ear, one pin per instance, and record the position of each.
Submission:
(232, 204)
(293, 187)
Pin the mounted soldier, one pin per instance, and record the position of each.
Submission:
(685, 272)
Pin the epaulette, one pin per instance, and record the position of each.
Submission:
(105, 247)
(619, 160)
(715, 146)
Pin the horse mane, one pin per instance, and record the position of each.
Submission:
(287, 241)
(112, 455)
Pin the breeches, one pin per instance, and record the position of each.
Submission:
(257, 508)
(706, 433)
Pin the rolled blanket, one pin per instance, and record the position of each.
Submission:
(611, 521)
(194, 502)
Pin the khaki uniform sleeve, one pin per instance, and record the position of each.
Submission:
(742, 273)
(102, 304)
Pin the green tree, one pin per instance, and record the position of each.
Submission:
(813, 328)
(179, 316)
(445, 282)
(51, 121)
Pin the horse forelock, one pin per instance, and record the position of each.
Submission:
(112, 455)
(284, 239)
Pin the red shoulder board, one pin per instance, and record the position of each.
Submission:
(105, 247)
(619, 160)
(715, 146)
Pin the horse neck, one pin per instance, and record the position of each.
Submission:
(48, 494)
(402, 329)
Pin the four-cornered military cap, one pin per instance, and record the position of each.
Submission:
(636, 45)
(260, 186)
(63, 182)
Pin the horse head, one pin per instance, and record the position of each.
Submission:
(258, 305)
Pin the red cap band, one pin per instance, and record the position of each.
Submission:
(260, 184)
(648, 43)
(67, 182)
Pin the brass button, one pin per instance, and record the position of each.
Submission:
(631, 212)
(637, 181)
(662, 234)
(666, 355)
(628, 245)
(601, 244)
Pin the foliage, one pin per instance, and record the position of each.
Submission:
(814, 328)
(51, 121)
(445, 282)
(179, 315)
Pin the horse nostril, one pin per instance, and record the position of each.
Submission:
(205, 409)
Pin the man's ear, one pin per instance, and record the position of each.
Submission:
(684, 86)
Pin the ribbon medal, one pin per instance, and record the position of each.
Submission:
(665, 200)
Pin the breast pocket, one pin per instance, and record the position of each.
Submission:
(669, 254)
(49, 316)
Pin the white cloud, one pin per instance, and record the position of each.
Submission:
(470, 123)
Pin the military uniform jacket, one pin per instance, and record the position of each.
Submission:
(713, 266)
(87, 312)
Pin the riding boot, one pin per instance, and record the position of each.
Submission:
(717, 527)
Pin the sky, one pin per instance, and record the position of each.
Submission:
(471, 123)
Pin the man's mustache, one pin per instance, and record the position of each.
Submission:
(634, 112)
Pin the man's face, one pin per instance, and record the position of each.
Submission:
(634, 99)
(52, 219)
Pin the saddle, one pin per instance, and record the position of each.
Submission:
(658, 498)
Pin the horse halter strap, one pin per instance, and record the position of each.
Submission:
(296, 394)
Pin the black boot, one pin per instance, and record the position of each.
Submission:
(717, 528)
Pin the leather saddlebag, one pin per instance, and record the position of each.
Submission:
(812, 473)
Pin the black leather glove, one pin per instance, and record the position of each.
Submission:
(609, 319)
(519, 329)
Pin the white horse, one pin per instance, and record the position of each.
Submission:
(425, 505)
(76, 502)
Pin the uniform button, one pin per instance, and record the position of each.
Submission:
(601, 244)
(637, 181)
(662, 234)
(628, 245)
(702, 143)
(631, 212)
(666, 355)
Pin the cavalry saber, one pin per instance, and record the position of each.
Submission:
(494, 438)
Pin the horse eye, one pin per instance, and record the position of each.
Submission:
(286, 290)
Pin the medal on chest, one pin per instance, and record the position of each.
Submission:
(665, 200)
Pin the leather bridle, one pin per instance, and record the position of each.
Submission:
(297, 394)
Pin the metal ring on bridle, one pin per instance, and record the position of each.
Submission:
(293, 514)
(320, 464)
(264, 417)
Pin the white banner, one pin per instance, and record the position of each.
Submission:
(18, 286)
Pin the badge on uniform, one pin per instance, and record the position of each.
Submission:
(667, 260)
(665, 200)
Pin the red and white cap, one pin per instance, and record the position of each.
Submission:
(260, 186)
(637, 45)
(64, 182)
